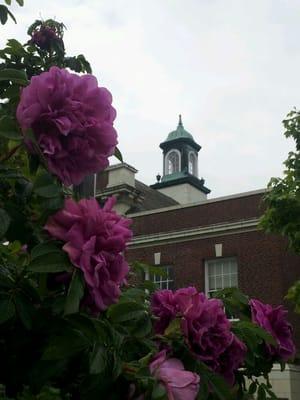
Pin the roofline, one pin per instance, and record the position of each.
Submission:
(198, 232)
(120, 165)
(191, 142)
(199, 203)
(188, 178)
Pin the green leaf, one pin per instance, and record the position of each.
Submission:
(25, 310)
(126, 311)
(50, 263)
(252, 388)
(67, 344)
(9, 129)
(8, 2)
(203, 391)
(75, 293)
(4, 222)
(159, 392)
(48, 191)
(220, 387)
(3, 14)
(33, 163)
(20, 2)
(173, 328)
(118, 154)
(261, 393)
(98, 360)
(7, 309)
(14, 75)
(45, 248)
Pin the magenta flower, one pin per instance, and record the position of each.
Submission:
(44, 37)
(231, 359)
(94, 239)
(164, 307)
(205, 327)
(274, 321)
(72, 121)
(179, 384)
(207, 330)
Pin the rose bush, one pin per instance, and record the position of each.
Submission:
(73, 325)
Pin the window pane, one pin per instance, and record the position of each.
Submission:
(234, 280)
(173, 162)
(211, 269)
(219, 268)
(164, 285)
(226, 281)
(219, 282)
(233, 267)
(226, 268)
(211, 283)
(222, 273)
(166, 281)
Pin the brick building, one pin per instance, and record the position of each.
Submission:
(208, 243)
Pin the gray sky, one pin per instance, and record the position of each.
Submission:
(230, 67)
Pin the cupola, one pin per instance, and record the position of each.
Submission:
(180, 167)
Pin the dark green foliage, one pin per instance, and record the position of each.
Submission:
(52, 345)
(282, 215)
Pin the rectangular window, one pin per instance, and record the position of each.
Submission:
(165, 281)
(220, 273)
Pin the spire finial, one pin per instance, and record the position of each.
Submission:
(180, 121)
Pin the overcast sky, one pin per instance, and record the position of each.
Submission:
(231, 68)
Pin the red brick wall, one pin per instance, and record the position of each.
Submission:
(201, 215)
(266, 269)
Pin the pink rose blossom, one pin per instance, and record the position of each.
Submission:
(72, 121)
(179, 384)
(94, 239)
(204, 325)
(273, 320)
(164, 307)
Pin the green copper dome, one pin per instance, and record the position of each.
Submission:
(179, 133)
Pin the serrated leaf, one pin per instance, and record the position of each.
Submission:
(14, 75)
(75, 293)
(4, 222)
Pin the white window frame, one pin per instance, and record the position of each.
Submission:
(207, 262)
(161, 279)
(167, 159)
(195, 165)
